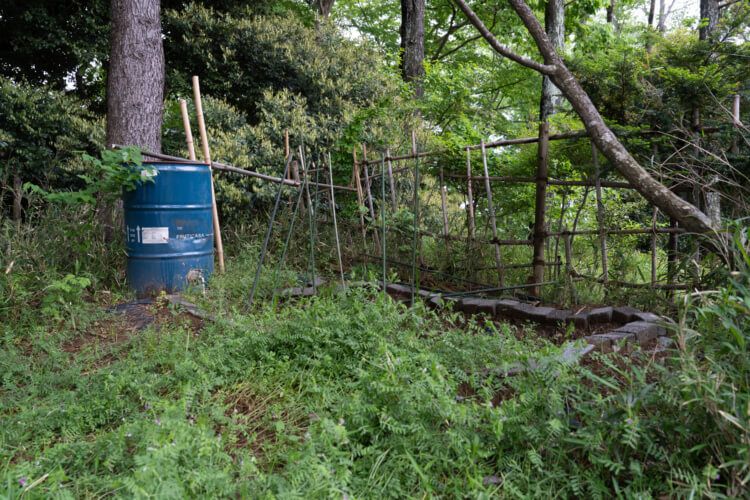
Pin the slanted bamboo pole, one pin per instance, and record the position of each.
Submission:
(188, 132)
(360, 200)
(498, 259)
(375, 237)
(736, 118)
(442, 201)
(600, 213)
(335, 224)
(472, 231)
(207, 159)
(540, 206)
(390, 179)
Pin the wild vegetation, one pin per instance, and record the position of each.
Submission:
(351, 394)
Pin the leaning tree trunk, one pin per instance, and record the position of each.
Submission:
(686, 214)
(412, 43)
(135, 82)
(324, 7)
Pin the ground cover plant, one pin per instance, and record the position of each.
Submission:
(352, 395)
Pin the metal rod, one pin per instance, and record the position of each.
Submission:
(310, 217)
(499, 289)
(268, 233)
(286, 244)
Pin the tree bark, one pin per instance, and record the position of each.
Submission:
(324, 7)
(554, 21)
(135, 82)
(709, 12)
(688, 215)
(412, 43)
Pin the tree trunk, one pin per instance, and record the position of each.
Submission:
(709, 12)
(324, 7)
(554, 21)
(135, 83)
(688, 215)
(412, 43)
(611, 19)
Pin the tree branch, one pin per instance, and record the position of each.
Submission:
(500, 48)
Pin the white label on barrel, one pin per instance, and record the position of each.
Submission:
(155, 235)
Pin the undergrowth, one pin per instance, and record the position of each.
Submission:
(351, 395)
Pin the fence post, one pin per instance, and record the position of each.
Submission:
(360, 201)
(540, 206)
(472, 231)
(375, 237)
(442, 201)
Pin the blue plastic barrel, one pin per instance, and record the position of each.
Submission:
(169, 228)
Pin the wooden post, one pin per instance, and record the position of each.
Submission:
(472, 231)
(653, 247)
(540, 206)
(600, 213)
(569, 263)
(563, 209)
(672, 250)
(207, 159)
(375, 237)
(188, 132)
(498, 260)
(360, 201)
(287, 151)
(442, 201)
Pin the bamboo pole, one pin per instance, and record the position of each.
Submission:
(188, 132)
(442, 201)
(736, 118)
(498, 259)
(653, 246)
(360, 200)
(600, 213)
(335, 224)
(472, 231)
(414, 272)
(540, 206)
(207, 159)
(375, 237)
(390, 179)
(563, 209)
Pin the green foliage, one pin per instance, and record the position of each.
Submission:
(40, 130)
(117, 171)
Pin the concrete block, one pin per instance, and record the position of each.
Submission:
(600, 315)
(606, 342)
(501, 306)
(474, 306)
(558, 316)
(647, 316)
(540, 314)
(521, 311)
(623, 314)
(581, 320)
(642, 330)
(395, 289)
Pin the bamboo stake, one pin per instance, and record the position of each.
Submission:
(498, 259)
(360, 201)
(390, 179)
(600, 213)
(414, 273)
(442, 201)
(335, 224)
(207, 159)
(653, 246)
(540, 206)
(188, 132)
(563, 209)
(375, 237)
(736, 119)
(382, 216)
(472, 233)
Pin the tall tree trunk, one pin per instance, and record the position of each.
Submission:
(412, 43)
(709, 12)
(324, 7)
(611, 18)
(688, 215)
(554, 21)
(135, 83)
